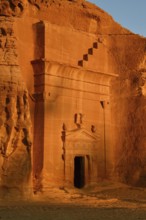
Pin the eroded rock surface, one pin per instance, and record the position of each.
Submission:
(15, 124)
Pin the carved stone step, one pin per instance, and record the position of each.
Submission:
(90, 51)
(80, 63)
(95, 45)
(85, 57)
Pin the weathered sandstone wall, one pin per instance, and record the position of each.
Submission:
(15, 124)
(82, 38)
(128, 106)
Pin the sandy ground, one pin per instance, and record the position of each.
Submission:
(100, 202)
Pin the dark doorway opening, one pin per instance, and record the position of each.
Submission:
(79, 171)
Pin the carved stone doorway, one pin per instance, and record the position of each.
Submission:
(79, 171)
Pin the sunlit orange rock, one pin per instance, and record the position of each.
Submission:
(73, 90)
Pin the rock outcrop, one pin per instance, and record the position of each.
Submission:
(15, 124)
(60, 59)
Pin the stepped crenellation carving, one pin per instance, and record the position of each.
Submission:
(90, 52)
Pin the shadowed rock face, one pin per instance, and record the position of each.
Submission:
(68, 63)
(128, 104)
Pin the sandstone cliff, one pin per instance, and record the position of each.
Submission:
(16, 81)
